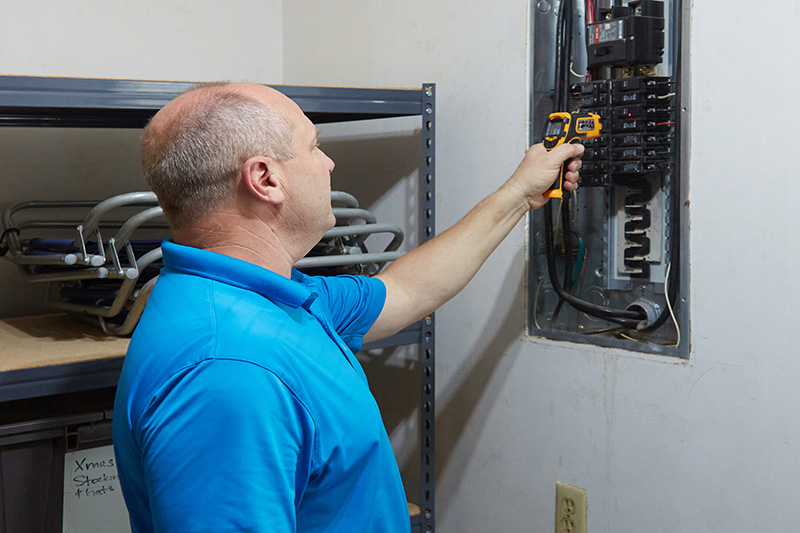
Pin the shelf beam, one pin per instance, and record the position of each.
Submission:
(81, 102)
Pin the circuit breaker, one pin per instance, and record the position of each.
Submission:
(608, 264)
(626, 35)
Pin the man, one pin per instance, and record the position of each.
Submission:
(241, 406)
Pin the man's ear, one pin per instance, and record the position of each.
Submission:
(262, 177)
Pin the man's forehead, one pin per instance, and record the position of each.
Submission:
(304, 126)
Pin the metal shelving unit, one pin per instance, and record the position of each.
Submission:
(113, 103)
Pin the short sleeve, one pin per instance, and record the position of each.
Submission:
(228, 448)
(353, 303)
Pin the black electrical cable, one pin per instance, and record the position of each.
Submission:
(569, 12)
(557, 312)
(626, 318)
(566, 241)
(558, 91)
(563, 53)
(566, 223)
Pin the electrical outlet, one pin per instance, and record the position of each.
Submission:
(571, 503)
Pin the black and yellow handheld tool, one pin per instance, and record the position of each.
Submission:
(568, 128)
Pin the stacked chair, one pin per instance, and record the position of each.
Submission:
(102, 259)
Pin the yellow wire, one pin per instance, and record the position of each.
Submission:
(665, 95)
(535, 303)
(669, 306)
(575, 73)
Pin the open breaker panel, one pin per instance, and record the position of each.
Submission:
(609, 263)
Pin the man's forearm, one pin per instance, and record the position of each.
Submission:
(424, 279)
(432, 274)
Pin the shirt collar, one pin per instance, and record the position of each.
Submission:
(293, 292)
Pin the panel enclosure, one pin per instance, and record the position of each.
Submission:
(628, 222)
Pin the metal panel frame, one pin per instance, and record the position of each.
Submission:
(79, 102)
(543, 37)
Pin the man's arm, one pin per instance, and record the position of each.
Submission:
(422, 280)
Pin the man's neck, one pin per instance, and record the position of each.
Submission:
(246, 239)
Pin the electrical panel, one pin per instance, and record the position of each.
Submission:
(608, 263)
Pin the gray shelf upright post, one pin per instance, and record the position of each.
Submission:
(427, 231)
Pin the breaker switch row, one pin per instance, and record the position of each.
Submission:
(637, 114)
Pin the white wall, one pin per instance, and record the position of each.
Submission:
(148, 39)
(177, 40)
(661, 445)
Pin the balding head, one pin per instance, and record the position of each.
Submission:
(193, 149)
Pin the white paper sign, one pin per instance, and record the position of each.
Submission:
(92, 496)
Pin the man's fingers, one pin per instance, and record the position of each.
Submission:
(575, 165)
(568, 151)
(570, 154)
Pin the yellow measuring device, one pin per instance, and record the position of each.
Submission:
(568, 128)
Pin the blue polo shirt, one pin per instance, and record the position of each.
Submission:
(242, 408)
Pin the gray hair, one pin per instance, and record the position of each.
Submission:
(193, 163)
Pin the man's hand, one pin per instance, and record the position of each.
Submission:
(540, 168)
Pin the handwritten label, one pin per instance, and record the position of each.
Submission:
(92, 495)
